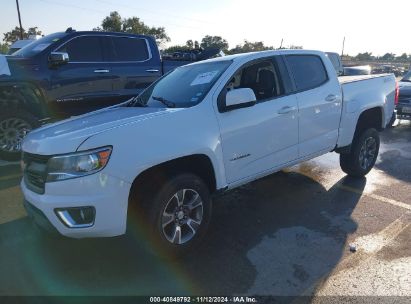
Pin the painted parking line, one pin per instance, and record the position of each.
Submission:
(376, 197)
(359, 274)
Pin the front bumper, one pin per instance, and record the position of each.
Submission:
(39, 218)
(107, 194)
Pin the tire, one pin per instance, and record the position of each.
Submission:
(174, 230)
(363, 155)
(14, 125)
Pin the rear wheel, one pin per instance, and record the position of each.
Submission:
(363, 154)
(14, 125)
(177, 213)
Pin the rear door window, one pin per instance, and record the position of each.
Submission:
(308, 71)
(83, 49)
(129, 49)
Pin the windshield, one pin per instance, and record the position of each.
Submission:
(184, 87)
(407, 77)
(39, 45)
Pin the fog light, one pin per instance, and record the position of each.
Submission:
(77, 217)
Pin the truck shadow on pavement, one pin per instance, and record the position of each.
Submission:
(280, 235)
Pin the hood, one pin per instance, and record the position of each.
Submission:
(18, 67)
(67, 135)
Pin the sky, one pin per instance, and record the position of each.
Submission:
(368, 26)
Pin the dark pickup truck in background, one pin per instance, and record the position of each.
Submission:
(403, 106)
(71, 73)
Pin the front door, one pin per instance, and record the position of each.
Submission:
(83, 84)
(260, 138)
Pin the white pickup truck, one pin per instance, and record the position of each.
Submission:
(154, 161)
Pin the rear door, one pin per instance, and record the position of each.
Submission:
(85, 82)
(134, 63)
(319, 102)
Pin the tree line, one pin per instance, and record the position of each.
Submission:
(134, 25)
(368, 56)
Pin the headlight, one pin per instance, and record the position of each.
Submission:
(77, 164)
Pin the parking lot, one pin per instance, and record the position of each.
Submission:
(287, 234)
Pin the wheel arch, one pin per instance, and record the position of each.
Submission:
(198, 164)
(372, 117)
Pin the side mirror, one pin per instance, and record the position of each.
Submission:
(239, 98)
(58, 58)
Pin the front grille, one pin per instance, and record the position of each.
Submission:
(35, 171)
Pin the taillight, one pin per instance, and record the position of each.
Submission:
(397, 93)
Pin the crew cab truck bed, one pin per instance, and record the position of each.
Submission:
(205, 127)
(360, 93)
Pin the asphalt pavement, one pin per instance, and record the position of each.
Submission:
(287, 234)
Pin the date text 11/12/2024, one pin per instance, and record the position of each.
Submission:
(235, 299)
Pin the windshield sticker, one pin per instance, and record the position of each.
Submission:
(194, 99)
(56, 39)
(40, 47)
(204, 78)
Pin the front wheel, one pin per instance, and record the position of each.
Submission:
(178, 214)
(363, 155)
(14, 125)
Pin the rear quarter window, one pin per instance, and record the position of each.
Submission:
(308, 71)
(129, 49)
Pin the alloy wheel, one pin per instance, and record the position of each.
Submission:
(182, 216)
(12, 132)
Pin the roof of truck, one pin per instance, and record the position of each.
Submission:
(255, 55)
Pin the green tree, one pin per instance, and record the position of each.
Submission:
(249, 46)
(133, 25)
(367, 56)
(388, 56)
(176, 48)
(190, 44)
(215, 42)
(14, 34)
(4, 48)
(403, 57)
(112, 23)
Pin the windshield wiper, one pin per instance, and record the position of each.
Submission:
(167, 103)
(137, 102)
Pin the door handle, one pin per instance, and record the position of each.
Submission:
(101, 71)
(152, 70)
(331, 98)
(286, 109)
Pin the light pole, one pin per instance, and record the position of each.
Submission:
(343, 45)
(18, 12)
